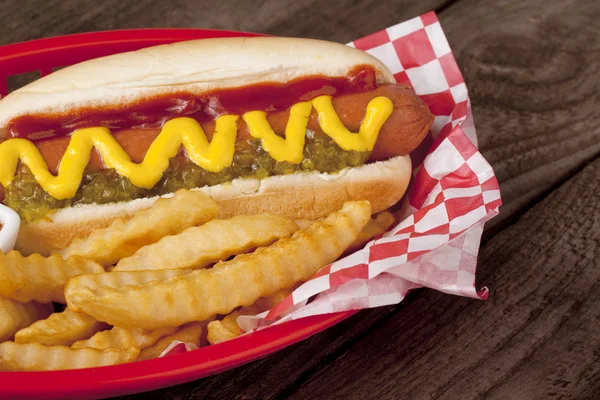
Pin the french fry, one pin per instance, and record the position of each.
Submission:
(15, 315)
(266, 303)
(37, 357)
(166, 217)
(41, 279)
(305, 223)
(230, 320)
(120, 338)
(375, 227)
(115, 338)
(228, 328)
(216, 240)
(191, 333)
(119, 279)
(60, 329)
(203, 293)
(224, 330)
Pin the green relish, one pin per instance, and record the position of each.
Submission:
(321, 153)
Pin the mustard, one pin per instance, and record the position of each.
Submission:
(289, 149)
(378, 111)
(187, 133)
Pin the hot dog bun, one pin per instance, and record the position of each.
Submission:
(298, 196)
(193, 67)
(196, 67)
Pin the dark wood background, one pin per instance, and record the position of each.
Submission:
(533, 69)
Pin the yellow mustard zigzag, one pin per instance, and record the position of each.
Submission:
(186, 132)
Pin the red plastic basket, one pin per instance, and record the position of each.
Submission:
(45, 55)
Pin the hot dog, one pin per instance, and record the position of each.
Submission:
(349, 107)
(288, 126)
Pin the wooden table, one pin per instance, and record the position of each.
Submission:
(533, 69)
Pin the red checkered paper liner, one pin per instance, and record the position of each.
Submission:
(452, 193)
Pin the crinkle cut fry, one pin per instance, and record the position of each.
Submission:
(121, 338)
(37, 357)
(190, 333)
(41, 279)
(168, 216)
(228, 328)
(15, 315)
(118, 279)
(216, 240)
(60, 329)
(240, 282)
(375, 227)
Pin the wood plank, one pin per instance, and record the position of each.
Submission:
(531, 70)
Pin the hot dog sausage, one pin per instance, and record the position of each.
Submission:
(400, 134)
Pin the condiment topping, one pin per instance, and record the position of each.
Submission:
(153, 112)
(321, 153)
(187, 133)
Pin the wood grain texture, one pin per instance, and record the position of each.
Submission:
(532, 70)
(340, 20)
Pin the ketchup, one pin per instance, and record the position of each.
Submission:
(153, 112)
